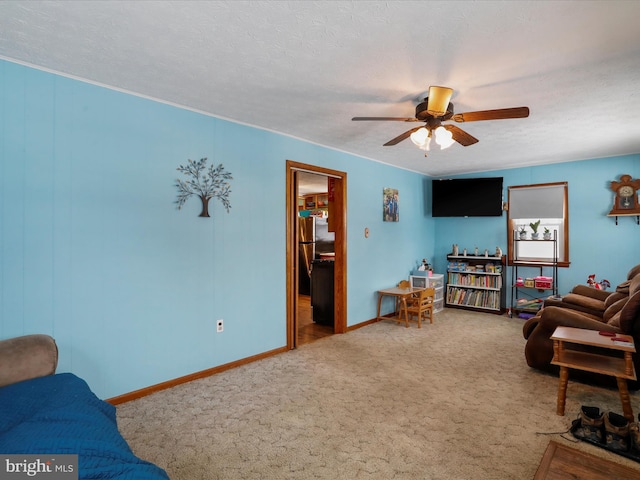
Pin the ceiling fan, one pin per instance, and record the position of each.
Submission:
(435, 109)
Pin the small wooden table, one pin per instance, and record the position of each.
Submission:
(402, 294)
(621, 368)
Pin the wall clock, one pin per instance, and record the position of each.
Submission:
(626, 196)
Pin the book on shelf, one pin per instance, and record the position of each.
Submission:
(474, 298)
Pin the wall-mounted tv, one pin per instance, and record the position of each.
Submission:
(467, 197)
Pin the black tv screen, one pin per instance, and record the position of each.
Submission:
(467, 197)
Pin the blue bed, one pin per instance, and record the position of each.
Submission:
(59, 414)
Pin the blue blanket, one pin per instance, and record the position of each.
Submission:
(59, 414)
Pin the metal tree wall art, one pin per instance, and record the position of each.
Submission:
(205, 182)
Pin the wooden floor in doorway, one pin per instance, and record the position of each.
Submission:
(307, 330)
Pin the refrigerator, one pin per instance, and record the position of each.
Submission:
(314, 238)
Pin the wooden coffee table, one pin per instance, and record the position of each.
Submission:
(620, 367)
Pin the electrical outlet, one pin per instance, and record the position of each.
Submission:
(219, 326)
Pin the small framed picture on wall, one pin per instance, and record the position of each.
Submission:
(390, 208)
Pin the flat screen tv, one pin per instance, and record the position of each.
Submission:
(467, 197)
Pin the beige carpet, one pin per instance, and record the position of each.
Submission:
(454, 400)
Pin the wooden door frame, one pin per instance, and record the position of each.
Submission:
(340, 270)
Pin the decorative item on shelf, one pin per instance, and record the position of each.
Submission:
(522, 232)
(493, 268)
(498, 252)
(546, 235)
(455, 250)
(464, 252)
(542, 282)
(205, 183)
(475, 251)
(457, 266)
(601, 285)
(424, 267)
(486, 252)
(534, 226)
(626, 196)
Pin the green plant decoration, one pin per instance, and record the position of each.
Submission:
(534, 226)
(207, 183)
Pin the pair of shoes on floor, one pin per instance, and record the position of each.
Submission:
(609, 429)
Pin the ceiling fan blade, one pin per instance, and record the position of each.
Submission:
(398, 119)
(499, 114)
(401, 137)
(438, 101)
(460, 136)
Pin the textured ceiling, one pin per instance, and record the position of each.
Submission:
(304, 68)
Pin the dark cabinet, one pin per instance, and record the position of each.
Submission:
(322, 301)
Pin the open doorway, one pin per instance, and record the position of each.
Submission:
(316, 253)
(316, 259)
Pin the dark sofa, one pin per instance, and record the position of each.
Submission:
(587, 308)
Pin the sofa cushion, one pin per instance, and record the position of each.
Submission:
(588, 302)
(623, 287)
(634, 285)
(633, 272)
(588, 291)
(552, 317)
(613, 298)
(614, 310)
(614, 321)
(630, 315)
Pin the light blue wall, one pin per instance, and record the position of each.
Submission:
(597, 245)
(94, 252)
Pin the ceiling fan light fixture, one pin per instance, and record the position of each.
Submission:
(438, 100)
(444, 137)
(421, 138)
(436, 109)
